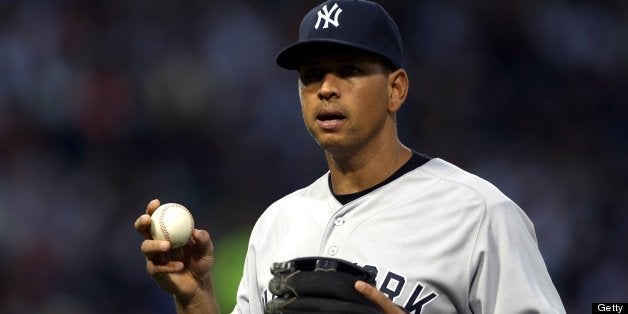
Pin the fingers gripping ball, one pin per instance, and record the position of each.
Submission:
(172, 222)
(319, 285)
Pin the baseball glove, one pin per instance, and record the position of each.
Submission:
(319, 285)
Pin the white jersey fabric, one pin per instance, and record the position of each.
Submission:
(442, 240)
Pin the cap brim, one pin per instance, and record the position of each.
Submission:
(290, 58)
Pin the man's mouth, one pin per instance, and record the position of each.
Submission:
(330, 120)
(330, 116)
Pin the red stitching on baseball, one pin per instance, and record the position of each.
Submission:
(191, 223)
(162, 225)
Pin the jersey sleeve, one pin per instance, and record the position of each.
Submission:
(252, 296)
(247, 298)
(243, 302)
(508, 274)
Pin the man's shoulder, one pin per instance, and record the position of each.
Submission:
(310, 201)
(464, 190)
(317, 191)
(462, 182)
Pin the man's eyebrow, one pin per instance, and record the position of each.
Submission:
(309, 64)
(336, 61)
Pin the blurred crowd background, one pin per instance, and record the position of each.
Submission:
(105, 105)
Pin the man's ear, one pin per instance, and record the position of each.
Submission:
(398, 84)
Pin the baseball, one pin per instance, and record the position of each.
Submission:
(172, 222)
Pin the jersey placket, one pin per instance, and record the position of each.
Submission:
(337, 231)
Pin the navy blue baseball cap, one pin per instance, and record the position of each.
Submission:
(358, 24)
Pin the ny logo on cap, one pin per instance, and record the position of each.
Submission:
(326, 15)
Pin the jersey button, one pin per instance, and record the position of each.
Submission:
(332, 250)
(339, 221)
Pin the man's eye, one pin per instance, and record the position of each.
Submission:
(314, 73)
(349, 70)
(311, 75)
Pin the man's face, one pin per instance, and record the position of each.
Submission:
(344, 99)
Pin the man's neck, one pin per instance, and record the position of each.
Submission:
(363, 170)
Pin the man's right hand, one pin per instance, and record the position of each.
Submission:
(184, 272)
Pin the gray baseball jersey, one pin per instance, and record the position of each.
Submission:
(442, 240)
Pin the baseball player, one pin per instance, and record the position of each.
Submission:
(439, 239)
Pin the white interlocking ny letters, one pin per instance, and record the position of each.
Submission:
(326, 15)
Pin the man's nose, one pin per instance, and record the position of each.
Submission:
(329, 86)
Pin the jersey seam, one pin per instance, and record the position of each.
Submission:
(472, 254)
(479, 226)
